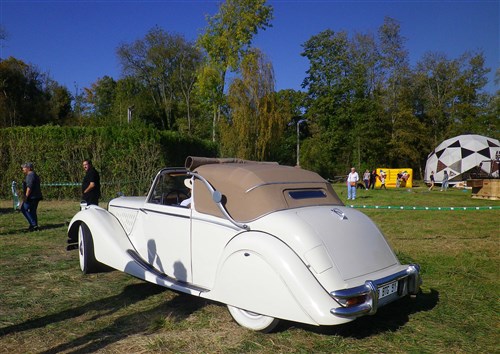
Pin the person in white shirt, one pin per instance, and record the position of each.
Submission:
(366, 179)
(352, 181)
(188, 182)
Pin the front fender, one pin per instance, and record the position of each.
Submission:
(260, 273)
(113, 248)
(109, 238)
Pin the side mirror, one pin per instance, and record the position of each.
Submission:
(217, 196)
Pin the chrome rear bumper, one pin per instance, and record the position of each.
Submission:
(410, 282)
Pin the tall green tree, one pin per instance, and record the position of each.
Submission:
(360, 101)
(395, 65)
(159, 62)
(453, 100)
(291, 103)
(491, 126)
(60, 100)
(25, 96)
(406, 133)
(369, 132)
(367, 107)
(470, 101)
(329, 89)
(131, 96)
(436, 77)
(256, 124)
(13, 83)
(190, 61)
(100, 98)
(226, 40)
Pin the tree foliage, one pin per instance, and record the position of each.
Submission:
(226, 40)
(165, 65)
(368, 108)
(363, 104)
(29, 97)
(127, 158)
(100, 97)
(256, 123)
(339, 84)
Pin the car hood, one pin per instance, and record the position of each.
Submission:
(354, 245)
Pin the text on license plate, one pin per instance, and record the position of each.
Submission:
(387, 289)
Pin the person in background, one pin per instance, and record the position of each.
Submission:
(382, 180)
(366, 179)
(32, 194)
(444, 185)
(352, 181)
(399, 177)
(188, 182)
(373, 179)
(91, 186)
(432, 181)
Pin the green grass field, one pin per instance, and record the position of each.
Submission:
(48, 306)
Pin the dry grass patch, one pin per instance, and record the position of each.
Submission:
(48, 306)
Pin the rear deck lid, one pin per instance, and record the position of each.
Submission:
(354, 242)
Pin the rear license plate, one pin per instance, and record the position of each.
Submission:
(387, 289)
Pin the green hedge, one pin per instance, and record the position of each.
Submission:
(126, 158)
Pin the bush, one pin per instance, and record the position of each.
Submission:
(126, 158)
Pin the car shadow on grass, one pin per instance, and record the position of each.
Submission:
(7, 210)
(176, 309)
(130, 294)
(24, 230)
(53, 226)
(387, 319)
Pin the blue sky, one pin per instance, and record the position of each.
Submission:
(75, 41)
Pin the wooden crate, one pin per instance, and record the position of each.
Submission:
(485, 188)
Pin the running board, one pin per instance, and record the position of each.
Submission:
(169, 282)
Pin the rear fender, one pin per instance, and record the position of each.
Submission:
(261, 274)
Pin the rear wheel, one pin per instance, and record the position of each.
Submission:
(253, 321)
(88, 263)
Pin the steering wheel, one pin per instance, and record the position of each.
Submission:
(179, 193)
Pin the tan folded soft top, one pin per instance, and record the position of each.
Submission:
(253, 189)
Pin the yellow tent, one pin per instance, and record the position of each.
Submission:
(391, 177)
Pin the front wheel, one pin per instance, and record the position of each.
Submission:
(88, 263)
(253, 321)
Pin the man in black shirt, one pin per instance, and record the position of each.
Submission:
(91, 186)
(32, 194)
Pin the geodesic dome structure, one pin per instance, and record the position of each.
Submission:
(462, 156)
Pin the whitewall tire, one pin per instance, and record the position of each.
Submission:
(88, 263)
(253, 321)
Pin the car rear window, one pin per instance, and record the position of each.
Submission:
(307, 194)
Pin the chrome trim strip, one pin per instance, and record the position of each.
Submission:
(122, 207)
(210, 221)
(339, 212)
(369, 289)
(146, 210)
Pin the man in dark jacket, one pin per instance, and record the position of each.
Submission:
(32, 194)
(91, 186)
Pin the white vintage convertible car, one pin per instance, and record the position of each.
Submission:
(270, 241)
